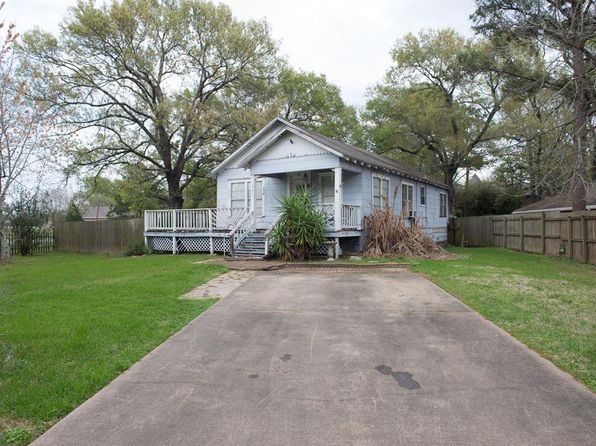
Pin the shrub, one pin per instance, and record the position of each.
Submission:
(301, 227)
(73, 212)
(28, 215)
(137, 248)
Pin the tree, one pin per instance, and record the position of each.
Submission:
(486, 198)
(569, 29)
(438, 104)
(28, 214)
(73, 213)
(24, 129)
(171, 83)
(535, 155)
(140, 189)
(311, 101)
(136, 190)
(201, 193)
(97, 190)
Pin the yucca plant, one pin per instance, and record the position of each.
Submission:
(300, 230)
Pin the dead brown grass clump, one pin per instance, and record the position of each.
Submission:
(390, 236)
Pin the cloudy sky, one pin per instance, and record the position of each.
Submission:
(347, 40)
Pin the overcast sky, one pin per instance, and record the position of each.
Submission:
(347, 40)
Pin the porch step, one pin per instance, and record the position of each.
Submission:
(252, 247)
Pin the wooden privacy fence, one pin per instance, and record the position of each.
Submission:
(97, 237)
(572, 235)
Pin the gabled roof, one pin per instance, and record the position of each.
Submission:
(560, 203)
(98, 212)
(346, 151)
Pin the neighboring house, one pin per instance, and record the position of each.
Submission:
(347, 183)
(96, 213)
(474, 180)
(559, 203)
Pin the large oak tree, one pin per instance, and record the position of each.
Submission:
(437, 105)
(311, 101)
(174, 84)
(566, 28)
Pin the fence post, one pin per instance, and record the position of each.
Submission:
(584, 225)
(504, 232)
(521, 233)
(542, 234)
(570, 236)
(491, 234)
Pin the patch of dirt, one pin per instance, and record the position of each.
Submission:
(10, 423)
(220, 287)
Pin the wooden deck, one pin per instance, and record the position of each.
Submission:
(220, 230)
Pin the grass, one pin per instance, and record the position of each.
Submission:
(70, 324)
(547, 303)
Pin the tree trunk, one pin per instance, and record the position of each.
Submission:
(580, 118)
(4, 244)
(175, 197)
(449, 174)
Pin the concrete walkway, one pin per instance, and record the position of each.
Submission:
(336, 358)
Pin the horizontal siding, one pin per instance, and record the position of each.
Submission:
(292, 153)
(275, 188)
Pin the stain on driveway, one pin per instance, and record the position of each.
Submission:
(336, 358)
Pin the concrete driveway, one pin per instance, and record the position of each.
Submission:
(336, 358)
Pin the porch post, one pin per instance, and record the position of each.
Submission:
(338, 199)
(253, 186)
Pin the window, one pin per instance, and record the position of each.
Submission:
(241, 196)
(380, 192)
(422, 195)
(407, 195)
(239, 192)
(259, 193)
(443, 205)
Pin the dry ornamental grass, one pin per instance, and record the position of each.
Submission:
(391, 236)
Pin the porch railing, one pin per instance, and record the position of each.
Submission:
(241, 229)
(268, 231)
(350, 216)
(225, 219)
(203, 220)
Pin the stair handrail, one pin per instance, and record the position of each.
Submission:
(240, 230)
(268, 231)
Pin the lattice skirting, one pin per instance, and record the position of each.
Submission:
(159, 244)
(189, 244)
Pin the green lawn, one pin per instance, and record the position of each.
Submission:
(547, 303)
(69, 324)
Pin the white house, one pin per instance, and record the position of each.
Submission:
(347, 183)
